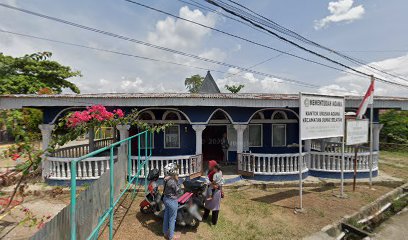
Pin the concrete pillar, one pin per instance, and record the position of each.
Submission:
(376, 136)
(91, 139)
(122, 150)
(240, 128)
(46, 131)
(199, 138)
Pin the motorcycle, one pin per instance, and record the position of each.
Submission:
(152, 202)
(188, 203)
(199, 190)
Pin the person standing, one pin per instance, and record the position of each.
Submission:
(225, 146)
(170, 196)
(212, 204)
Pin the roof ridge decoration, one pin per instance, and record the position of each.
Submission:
(209, 85)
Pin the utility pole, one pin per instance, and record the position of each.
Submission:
(371, 133)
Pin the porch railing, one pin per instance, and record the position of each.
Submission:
(90, 168)
(271, 163)
(329, 161)
(334, 147)
(80, 150)
(188, 164)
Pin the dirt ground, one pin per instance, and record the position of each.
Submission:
(25, 219)
(245, 213)
(254, 214)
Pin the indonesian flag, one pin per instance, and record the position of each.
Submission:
(368, 99)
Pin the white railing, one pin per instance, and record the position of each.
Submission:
(188, 164)
(80, 150)
(89, 168)
(335, 147)
(329, 161)
(260, 163)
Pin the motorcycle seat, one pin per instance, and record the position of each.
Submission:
(185, 197)
(193, 185)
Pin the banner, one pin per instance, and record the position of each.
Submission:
(356, 131)
(321, 116)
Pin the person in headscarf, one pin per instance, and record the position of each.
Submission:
(170, 196)
(212, 204)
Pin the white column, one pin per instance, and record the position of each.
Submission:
(199, 138)
(46, 131)
(240, 128)
(376, 136)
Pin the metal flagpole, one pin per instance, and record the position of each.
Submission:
(371, 133)
(342, 168)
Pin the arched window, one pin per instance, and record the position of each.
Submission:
(258, 116)
(171, 115)
(279, 115)
(147, 116)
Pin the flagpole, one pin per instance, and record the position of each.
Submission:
(371, 133)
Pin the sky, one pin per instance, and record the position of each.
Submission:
(370, 30)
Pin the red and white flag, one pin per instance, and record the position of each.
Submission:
(368, 99)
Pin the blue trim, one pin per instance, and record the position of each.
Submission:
(277, 178)
(53, 182)
(337, 175)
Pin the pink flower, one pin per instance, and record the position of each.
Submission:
(15, 156)
(119, 112)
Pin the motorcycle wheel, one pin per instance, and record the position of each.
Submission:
(145, 210)
(194, 223)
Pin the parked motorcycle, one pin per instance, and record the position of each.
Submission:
(152, 202)
(188, 210)
(199, 190)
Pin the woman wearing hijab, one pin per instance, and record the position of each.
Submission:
(170, 195)
(212, 202)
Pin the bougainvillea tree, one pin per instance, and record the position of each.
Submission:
(78, 123)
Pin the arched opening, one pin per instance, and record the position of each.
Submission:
(215, 142)
(146, 116)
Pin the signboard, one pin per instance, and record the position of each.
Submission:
(356, 131)
(321, 116)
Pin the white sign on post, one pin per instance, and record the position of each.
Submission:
(321, 116)
(356, 131)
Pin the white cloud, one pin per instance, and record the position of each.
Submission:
(358, 85)
(177, 33)
(341, 11)
(254, 84)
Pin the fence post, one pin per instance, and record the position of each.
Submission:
(111, 189)
(129, 143)
(73, 200)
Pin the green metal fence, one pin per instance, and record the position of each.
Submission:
(141, 164)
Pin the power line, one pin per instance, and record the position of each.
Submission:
(242, 38)
(305, 84)
(256, 64)
(299, 37)
(301, 47)
(109, 51)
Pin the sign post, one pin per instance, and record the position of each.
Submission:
(356, 133)
(320, 116)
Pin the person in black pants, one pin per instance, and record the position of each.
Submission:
(213, 203)
(214, 216)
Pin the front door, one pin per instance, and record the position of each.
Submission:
(212, 136)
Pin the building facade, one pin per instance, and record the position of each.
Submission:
(262, 130)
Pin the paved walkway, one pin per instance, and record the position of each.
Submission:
(395, 228)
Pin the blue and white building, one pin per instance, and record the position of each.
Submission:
(262, 130)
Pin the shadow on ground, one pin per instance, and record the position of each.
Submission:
(155, 224)
(276, 197)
